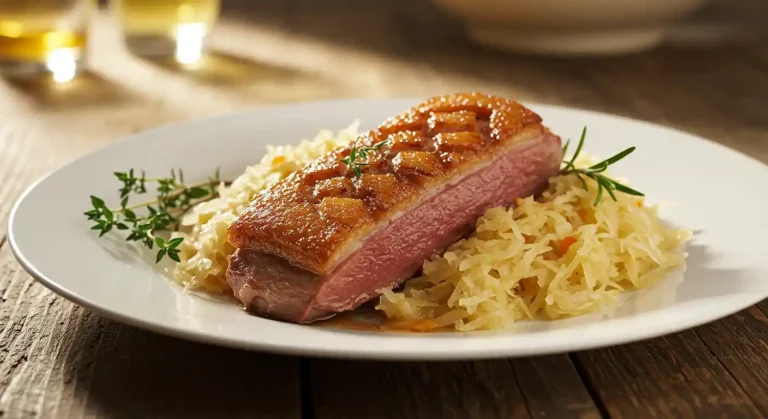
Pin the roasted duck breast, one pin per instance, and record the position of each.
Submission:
(332, 235)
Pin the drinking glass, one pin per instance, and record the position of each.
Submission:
(43, 36)
(167, 27)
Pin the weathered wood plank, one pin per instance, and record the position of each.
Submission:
(546, 387)
(552, 388)
(345, 389)
(763, 306)
(59, 360)
(674, 376)
(197, 380)
(740, 343)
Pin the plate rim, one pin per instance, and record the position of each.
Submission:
(298, 350)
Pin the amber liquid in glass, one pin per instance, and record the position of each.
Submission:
(162, 27)
(36, 35)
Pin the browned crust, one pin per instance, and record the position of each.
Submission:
(317, 215)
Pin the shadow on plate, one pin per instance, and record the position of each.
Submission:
(133, 254)
(703, 281)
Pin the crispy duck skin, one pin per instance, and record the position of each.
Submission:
(317, 216)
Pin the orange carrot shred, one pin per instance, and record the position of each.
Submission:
(425, 325)
(566, 244)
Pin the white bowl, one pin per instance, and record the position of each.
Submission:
(569, 27)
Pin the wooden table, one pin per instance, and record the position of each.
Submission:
(59, 360)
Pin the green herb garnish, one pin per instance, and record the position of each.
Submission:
(594, 172)
(163, 213)
(358, 156)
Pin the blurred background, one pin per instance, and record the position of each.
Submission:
(135, 64)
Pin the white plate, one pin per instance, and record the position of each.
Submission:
(715, 191)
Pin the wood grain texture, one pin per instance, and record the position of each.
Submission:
(415, 390)
(763, 306)
(552, 388)
(58, 360)
(546, 387)
(740, 344)
(674, 376)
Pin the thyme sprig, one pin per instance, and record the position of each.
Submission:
(163, 213)
(594, 172)
(358, 156)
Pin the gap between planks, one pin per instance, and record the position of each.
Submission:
(735, 378)
(739, 343)
(670, 376)
(589, 386)
(540, 387)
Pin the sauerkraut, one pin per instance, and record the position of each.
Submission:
(554, 257)
(551, 257)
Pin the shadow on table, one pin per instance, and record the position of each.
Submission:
(246, 76)
(223, 69)
(86, 90)
(138, 374)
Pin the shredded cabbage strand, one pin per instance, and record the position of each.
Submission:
(550, 258)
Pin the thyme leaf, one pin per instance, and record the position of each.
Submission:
(358, 156)
(163, 213)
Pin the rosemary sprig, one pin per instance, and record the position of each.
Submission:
(163, 213)
(358, 156)
(595, 171)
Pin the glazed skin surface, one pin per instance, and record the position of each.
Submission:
(318, 216)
